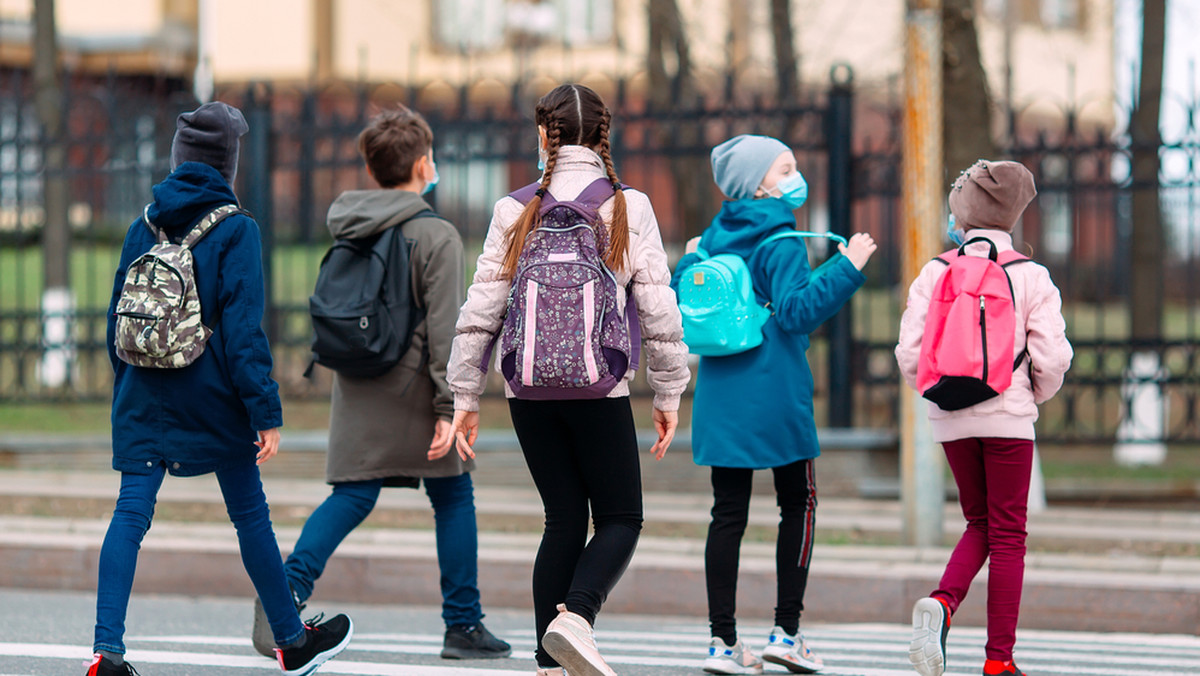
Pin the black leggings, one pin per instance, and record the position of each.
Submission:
(796, 495)
(581, 454)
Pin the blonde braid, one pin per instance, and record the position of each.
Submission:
(530, 218)
(618, 233)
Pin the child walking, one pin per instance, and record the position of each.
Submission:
(220, 413)
(989, 445)
(770, 384)
(581, 452)
(394, 429)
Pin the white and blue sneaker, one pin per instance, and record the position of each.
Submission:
(791, 652)
(731, 659)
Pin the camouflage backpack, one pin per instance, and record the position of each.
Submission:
(158, 313)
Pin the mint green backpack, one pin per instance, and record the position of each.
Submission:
(721, 315)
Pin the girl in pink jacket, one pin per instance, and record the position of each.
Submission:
(989, 446)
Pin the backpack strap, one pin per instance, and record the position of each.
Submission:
(598, 192)
(787, 234)
(159, 234)
(210, 221)
(525, 194)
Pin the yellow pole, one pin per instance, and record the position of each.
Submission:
(922, 485)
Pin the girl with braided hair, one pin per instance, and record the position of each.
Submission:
(581, 453)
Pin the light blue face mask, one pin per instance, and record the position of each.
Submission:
(793, 189)
(955, 235)
(541, 165)
(430, 184)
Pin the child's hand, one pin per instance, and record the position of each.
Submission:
(859, 249)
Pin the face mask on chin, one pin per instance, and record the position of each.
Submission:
(792, 189)
(955, 235)
(433, 181)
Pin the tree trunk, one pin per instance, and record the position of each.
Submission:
(675, 92)
(48, 97)
(785, 51)
(57, 366)
(966, 105)
(1147, 245)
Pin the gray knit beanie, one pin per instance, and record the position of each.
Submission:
(209, 134)
(740, 163)
(991, 195)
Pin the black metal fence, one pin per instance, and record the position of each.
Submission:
(300, 154)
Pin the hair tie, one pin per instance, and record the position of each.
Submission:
(617, 186)
(540, 193)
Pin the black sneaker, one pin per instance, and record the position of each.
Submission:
(323, 641)
(473, 643)
(102, 666)
(261, 635)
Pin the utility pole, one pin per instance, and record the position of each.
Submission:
(58, 303)
(921, 474)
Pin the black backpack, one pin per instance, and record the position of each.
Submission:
(363, 309)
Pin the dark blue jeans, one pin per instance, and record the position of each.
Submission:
(453, 500)
(247, 508)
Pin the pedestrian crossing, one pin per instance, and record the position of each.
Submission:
(669, 647)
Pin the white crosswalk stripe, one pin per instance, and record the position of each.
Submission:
(848, 649)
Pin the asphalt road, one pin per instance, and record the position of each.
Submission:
(49, 634)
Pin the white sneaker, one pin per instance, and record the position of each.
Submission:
(731, 659)
(570, 641)
(931, 623)
(791, 652)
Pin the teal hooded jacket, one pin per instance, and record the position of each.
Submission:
(755, 409)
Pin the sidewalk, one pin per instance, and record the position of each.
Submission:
(1088, 569)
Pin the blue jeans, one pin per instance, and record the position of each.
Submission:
(453, 500)
(247, 508)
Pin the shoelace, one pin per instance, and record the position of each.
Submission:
(313, 622)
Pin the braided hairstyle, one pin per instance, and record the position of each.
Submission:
(572, 114)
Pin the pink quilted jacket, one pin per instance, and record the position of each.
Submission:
(1039, 327)
(482, 314)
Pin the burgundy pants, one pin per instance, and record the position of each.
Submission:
(993, 488)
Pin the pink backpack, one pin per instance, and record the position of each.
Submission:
(967, 350)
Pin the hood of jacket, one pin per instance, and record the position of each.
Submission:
(186, 195)
(362, 213)
(742, 224)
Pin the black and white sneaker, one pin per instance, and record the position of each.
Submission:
(323, 640)
(473, 643)
(931, 623)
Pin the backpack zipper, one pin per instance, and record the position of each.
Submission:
(983, 335)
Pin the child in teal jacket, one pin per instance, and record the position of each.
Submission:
(754, 410)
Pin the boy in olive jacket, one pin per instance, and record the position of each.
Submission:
(394, 429)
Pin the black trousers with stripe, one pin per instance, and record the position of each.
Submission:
(796, 495)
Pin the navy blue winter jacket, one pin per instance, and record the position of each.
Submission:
(205, 416)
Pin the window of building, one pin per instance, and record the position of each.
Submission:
(480, 25)
(1056, 14)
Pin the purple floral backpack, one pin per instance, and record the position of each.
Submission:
(563, 336)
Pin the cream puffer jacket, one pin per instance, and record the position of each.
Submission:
(1040, 328)
(482, 314)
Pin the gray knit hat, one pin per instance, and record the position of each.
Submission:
(991, 195)
(209, 134)
(740, 163)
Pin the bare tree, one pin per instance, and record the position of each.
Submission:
(966, 104)
(674, 90)
(786, 62)
(57, 302)
(1146, 246)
